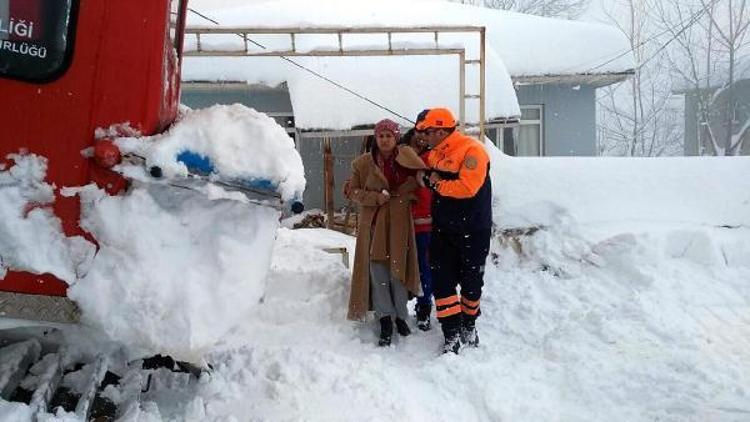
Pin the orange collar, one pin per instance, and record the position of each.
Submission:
(449, 143)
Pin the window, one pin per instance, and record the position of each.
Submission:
(522, 139)
(530, 136)
(36, 38)
(501, 134)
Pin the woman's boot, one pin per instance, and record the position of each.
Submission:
(423, 316)
(386, 331)
(402, 327)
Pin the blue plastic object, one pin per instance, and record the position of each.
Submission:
(202, 165)
(196, 163)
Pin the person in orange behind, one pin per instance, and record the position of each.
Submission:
(461, 225)
(421, 210)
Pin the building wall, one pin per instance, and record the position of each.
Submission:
(345, 150)
(569, 117)
(259, 97)
(691, 125)
(741, 95)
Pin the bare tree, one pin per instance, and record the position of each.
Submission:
(639, 117)
(707, 58)
(568, 9)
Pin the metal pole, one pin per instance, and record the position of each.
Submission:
(462, 90)
(328, 187)
(482, 88)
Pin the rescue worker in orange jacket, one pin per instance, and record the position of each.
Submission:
(461, 225)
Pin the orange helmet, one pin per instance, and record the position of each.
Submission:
(441, 118)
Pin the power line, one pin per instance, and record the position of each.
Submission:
(313, 72)
(692, 22)
(685, 25)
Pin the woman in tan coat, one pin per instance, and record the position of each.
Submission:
(385, 261)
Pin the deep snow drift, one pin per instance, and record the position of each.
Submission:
(641, 335)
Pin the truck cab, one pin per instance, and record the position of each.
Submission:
(72, 73)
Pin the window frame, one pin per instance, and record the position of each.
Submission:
(500, 127)
(532, 122)
(178, 38)
(67, 58)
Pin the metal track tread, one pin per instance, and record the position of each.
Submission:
(53, 382)
(14, 361)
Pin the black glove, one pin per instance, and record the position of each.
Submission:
(429, 183)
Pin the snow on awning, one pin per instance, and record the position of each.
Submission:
(517, 45)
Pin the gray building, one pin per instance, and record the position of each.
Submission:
(706, 116)
(558, 116)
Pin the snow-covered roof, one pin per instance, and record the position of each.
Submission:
(718, 76)
(517, 44)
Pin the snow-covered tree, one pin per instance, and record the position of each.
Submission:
(641, 116)
(569, 9)
(711, 60)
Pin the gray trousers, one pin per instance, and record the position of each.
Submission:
(389, 296)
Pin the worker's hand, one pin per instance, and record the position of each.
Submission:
(435, 177)
(383, 197)
(347, 188)
(420, 178)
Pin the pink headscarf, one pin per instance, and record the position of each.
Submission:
(389, 125)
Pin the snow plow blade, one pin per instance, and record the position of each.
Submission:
(202, 172)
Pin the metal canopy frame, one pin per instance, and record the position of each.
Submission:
(245, 33)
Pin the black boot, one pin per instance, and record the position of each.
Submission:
(423, 316)
(469, 334)
(402, 327)
(452, 344)
(452, 333)
(386, 331)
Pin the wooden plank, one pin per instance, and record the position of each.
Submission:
(328, 181)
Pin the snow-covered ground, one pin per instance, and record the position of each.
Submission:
(638, 335)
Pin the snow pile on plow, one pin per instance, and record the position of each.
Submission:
(178, 267)
(175, 270)
(231, 144)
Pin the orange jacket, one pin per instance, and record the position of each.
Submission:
(464, 160)
(462, 202)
